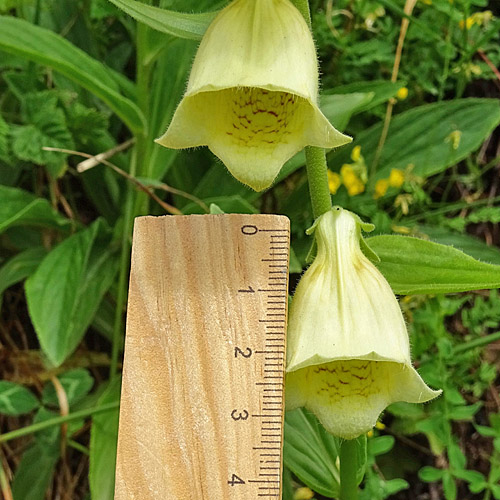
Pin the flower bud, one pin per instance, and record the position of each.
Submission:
(252, 92)
(348, 348)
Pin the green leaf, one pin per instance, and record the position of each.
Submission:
(66, 289)
(46, 127)
(20, 208)
(4, 146)
(430, 474)
(468, 244)
(415, 266)
(103, 440)
(380, 445)
(339, 108)
(43, 46)
(311, 453)
(20, 267)
(179, 24)
(228, 204)
(381, 90)
(76, 384)
(34, 472)
(16, 399)
(449, 486)
(421, 136)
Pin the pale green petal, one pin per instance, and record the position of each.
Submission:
(348, 396)
(252, 92)
(253, 131)
(348, 353)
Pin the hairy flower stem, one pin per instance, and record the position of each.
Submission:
(315, 157)
(319, 192)
(348, 470)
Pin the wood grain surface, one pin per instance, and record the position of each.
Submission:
(201, 413)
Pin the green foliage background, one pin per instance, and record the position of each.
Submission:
(85, 76)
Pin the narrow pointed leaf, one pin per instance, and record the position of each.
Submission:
(43, 46)
(414, 266)
(179, 24)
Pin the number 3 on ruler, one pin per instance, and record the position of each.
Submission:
(235, 480)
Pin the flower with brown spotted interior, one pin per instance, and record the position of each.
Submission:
(348, 348)
(252, 92)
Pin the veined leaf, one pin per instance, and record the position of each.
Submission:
(103, 441)
(431, 137)
(19, 208)
(43, 46)
(20, 267)
(179, 24)
(414, 266)
(16, 399)
(66, 289)
(311, 453)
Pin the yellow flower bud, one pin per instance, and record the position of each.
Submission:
(351, 181)
(380, 188)
(348, 348)
(252, 92)
(402, 93)
(356, 153)
(333, 181)
(396, 178)
(303, 494)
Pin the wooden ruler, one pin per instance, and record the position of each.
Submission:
(202, 404)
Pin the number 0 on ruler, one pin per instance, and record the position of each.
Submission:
(202, 404)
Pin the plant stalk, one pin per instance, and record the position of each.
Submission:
(348, 470)
(319, 192)
(52, 422)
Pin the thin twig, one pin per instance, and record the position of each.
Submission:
(166, 206)
(408, 9)
(95, 160)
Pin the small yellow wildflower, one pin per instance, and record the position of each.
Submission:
(334, 181)
(396, 178)
(369, 434)
(427, 2)
(469, 22)
(380, 188)
(356, 153)
(303, 494)
(380, 426)
(402, 93)
(352, 182)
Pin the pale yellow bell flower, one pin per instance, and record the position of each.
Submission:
(348, 349)
(252, 92)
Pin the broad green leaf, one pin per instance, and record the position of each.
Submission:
(21, 208)
(339, 108)
(46, 126)
(311, 453)
(43, 46)
(431, 137)
(76, 384)
(103, 441)
(66, 289)
(20, 267)
(179, 24)
(415, 266)
(468, 244)
(382, 91)
(228, 204)
(16, 399)
(34, 472)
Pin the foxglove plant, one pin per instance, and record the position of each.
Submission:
(252, 92)
(348, 348)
